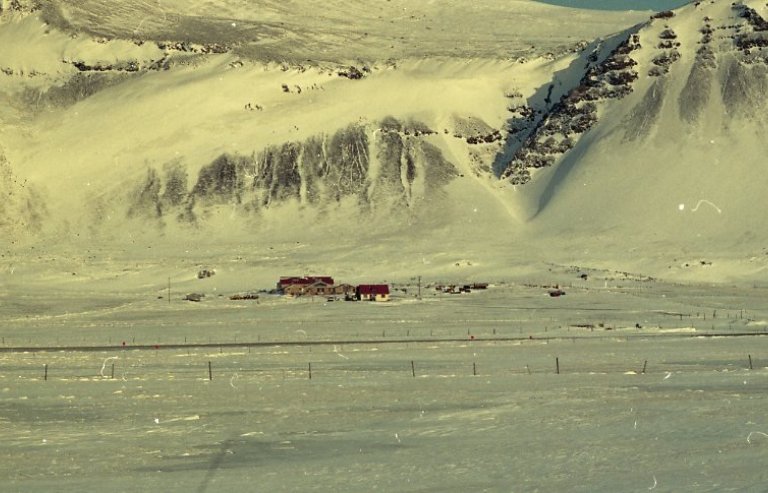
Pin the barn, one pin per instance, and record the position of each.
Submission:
(372, 292)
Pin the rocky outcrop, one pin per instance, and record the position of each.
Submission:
(188, 47)
(78, 87)
(557, 132)
(732, 54)
(475, 131)
(23, 6)
(383, 169)
(120, 66)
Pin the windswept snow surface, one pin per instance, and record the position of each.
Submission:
(450, 393)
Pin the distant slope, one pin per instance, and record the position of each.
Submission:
(138, 118)
(662, 139)
(362, 31)
(499, 133)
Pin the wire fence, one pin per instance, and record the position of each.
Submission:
(198, 368)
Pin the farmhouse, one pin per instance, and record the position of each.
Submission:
(373, 292)
(325, 286)
(309, 285)
(319, 288)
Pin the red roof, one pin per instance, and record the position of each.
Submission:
(373, 289)
(288, 281)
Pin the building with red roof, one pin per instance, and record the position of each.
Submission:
(372, 292)
(307, 285)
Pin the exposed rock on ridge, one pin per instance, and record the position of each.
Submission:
(385, 169)
(731, 54)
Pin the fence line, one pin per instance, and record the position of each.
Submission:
(471, 337)
(202, 370)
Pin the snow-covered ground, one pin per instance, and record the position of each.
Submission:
(446, 393)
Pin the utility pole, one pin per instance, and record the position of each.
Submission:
(419, 284)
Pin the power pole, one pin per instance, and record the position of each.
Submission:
(419, 284)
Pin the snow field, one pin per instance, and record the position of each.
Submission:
(479, 415)
(685, 425)
(43, 316)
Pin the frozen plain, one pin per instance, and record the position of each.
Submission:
(694, 421)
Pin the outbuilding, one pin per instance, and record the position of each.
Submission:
(372, 292)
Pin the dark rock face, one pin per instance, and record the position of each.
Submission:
(395, 163)
(475, 131)
(277, 175)
(696, 93)
(732, 54)
(131, 65)
(146, 197)
(668, 53)
(77, 88)
(663, 61)
(187, 47)
(346, 163)
(752, 17)
(175, 192)
(698, 86)
(743, 88)
(646, 113)
(221, 182)
(438, 172)
(313, 159)
(751, 38)
(575, 113)
(24, 6)
(352, 72)
(664, 14)
(379, 173)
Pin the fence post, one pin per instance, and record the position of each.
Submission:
(210, 371)
(45, 372)
(474, 368)
(557, 365)
(309, 368)
(645, 364)
(750, 361)
(413, 369)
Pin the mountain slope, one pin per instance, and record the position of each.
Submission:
(661, 140)
(476, 156)
(114, 126)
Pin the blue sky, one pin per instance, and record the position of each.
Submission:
(620, 4)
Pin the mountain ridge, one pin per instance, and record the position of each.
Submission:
(114, 141)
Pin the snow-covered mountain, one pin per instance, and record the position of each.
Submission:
(662, 135)
(478, 135)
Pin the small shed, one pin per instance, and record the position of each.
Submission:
(372, 292)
